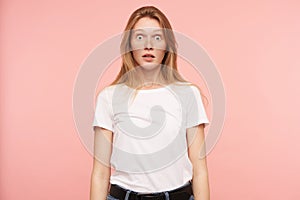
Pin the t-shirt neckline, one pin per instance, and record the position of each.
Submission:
(149, 90)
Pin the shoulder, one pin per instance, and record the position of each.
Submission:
(106, 90)
(189, 91)
(110, 92)
(188, 87)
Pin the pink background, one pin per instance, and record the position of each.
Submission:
(255, 45)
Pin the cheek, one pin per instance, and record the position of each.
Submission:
(136, 55)
(160, 46)
(136, 45)
(160, 54)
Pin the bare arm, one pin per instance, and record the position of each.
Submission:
(197, 155)
(101, 166)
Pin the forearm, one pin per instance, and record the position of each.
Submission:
(100, 177)
(197, 155)
(201, 186)
(99, 187)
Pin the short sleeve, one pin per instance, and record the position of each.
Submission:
(103, 112)
(196, 113)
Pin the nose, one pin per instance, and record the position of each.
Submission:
(148, 44)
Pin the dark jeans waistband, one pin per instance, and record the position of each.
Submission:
(180, 193)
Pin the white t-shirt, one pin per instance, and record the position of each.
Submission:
(149, 134)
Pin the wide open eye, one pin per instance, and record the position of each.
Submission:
(157, 37)
(139, 37)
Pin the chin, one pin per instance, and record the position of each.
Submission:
(149, 66)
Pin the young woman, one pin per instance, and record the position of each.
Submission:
(153, 139)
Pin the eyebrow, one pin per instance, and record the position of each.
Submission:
(156, 30)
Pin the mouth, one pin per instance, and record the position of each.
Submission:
(148, 55)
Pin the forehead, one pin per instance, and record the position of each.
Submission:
(147, 30)
(147, 24)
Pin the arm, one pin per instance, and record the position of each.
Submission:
(197, 155)
(101, 166)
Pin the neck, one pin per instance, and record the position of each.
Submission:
(151, 77)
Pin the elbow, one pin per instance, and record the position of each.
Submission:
(101, 174)
(200, 170)
(200, 173)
